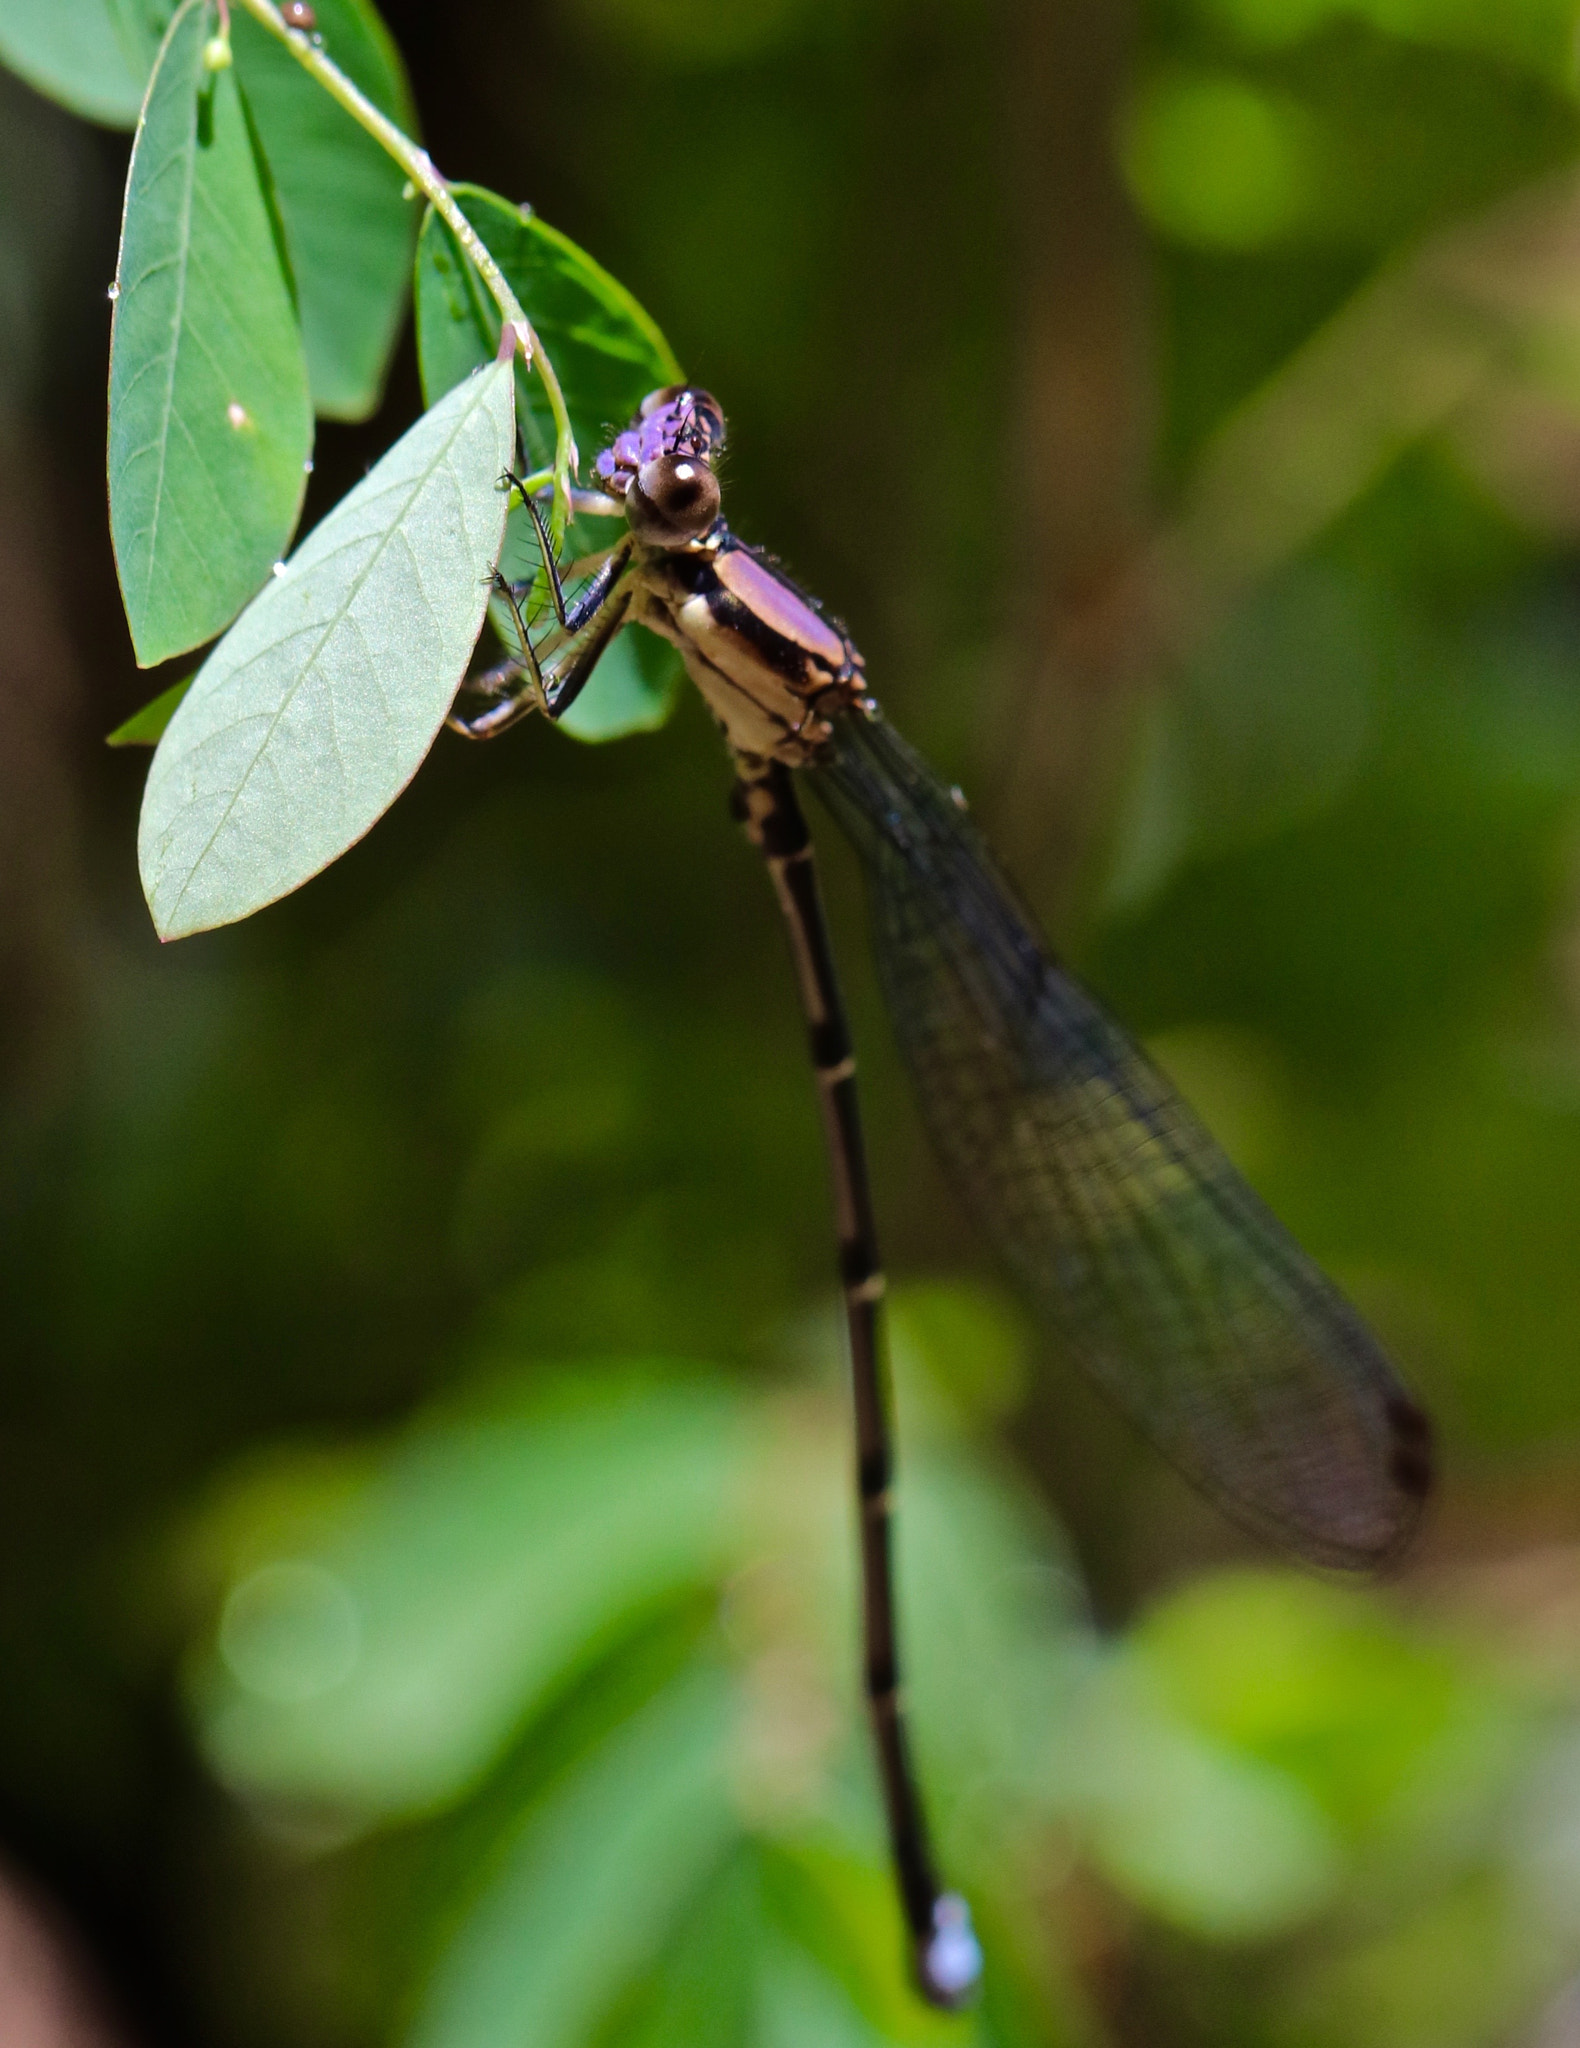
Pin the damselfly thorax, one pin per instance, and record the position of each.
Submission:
(772, 670)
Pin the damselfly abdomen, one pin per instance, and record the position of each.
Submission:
(1161, 1271)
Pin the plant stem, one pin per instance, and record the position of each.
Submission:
(419, 167)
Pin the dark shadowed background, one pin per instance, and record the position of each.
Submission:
(423, 1608)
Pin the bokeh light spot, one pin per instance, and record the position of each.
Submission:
(1215, 161)
(289, 1632)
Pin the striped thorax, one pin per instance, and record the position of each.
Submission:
(772, 668)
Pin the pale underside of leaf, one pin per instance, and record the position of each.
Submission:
(317, 707)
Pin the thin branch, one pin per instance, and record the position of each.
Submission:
(419, 167)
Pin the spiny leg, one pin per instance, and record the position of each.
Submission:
(510, 707)
(947, 1959)
(573, 617)
(516, 684)
(551, 567)
(553, 696)
(569, 682)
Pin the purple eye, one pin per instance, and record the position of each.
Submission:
(671, 500)
(655, 399)
(680, 419)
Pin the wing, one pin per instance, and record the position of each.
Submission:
(1168, 1279)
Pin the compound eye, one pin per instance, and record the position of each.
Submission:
(671, 500)
(708, 417)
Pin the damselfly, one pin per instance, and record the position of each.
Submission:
(1153, 1261)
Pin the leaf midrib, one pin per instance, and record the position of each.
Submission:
(391, 533)
(183, 267)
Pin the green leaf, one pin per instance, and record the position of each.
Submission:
(316, 709)
(809, 2009)
(702, 1990)
(608, 354)
(1205, 1835)
(632, 689)
(145, 728)
(491, 1556)
(210, 420)
(597, 1881)
(606, 349)
(347, 228)
(1309, 1679)
(93, 56)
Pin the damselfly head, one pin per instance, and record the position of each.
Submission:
(662, 466)
(680, 420)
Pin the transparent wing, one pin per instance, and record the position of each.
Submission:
(1168, 1279)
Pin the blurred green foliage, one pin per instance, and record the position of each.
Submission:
(425, 1582)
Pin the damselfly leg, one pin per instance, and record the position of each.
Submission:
(548, 678)
(512, 688)
(573, 617)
